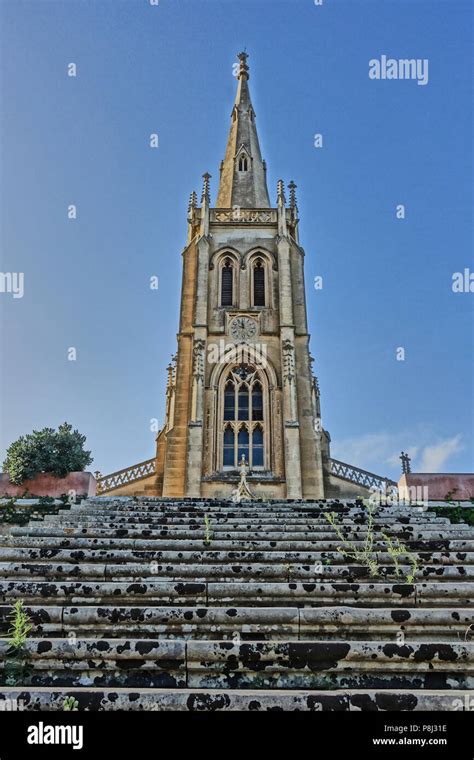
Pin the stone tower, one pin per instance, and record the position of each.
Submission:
(241, 382)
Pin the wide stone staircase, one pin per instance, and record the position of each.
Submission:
(187, 604)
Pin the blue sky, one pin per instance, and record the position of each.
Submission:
(168, 69)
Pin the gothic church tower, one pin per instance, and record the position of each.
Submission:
(242, 381)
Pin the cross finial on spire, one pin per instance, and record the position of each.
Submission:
(243, 68)
(205, 196)
(406, 462)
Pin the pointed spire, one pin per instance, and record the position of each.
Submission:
(193, 216)
(192, 201)
(169, 382)
(281, 203)
(292, 189)
(205, 195)
(243, 68)
(281, 200)
(243, 177)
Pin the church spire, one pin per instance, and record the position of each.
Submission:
(243, 180)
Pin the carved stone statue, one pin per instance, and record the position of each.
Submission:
(242, 492)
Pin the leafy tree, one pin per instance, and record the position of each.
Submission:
(58, 452)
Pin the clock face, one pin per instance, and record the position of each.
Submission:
(243, 328)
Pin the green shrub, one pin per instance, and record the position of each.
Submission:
(46, 501)
(455, 514)
(58, 452)
(9, 513)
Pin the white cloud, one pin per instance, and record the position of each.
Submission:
(362, 450)
(379, 452)
(434, 457)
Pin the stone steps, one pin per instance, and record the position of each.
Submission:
(169, 544)
(244, 511)
(327, 554)
(265, 513)
(196, 663)
(236, 593)
(224, 700)
(189, 551)
(266, 538)
(275, 572)
(268, 532)
(319, 516)
(127, 594)
(248, 623)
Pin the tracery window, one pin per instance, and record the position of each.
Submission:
(243, 423)
(243, 163)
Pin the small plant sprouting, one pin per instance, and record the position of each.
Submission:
(21, 626)
(396, 549)
(367, 556)
(15, 665)
(414, 568)
(207, 531)
(349, 550)
(70, 704)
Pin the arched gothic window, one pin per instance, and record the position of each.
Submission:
(229, 402)
(243, 444)
(257, 446)
(243, 163)
(257, 402)
(259, 283)
(227, 279)
(229, 446)
(243, 423)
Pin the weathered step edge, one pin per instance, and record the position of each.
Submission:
(221, 700)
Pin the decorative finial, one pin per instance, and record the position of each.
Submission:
(205, 196)
(281, 192)
(406, 467)
(243, 69)
(292, 189)
(192, 201)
